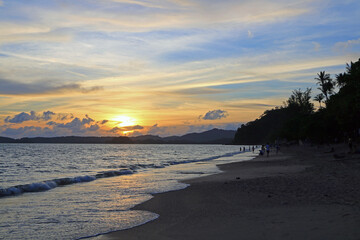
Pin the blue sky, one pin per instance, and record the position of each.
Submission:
(164, 63)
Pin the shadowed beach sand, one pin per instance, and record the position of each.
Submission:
(301, 193)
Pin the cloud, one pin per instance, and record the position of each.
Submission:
(103, 122)
(126, 129)
(146, 16)
(196, 91)
(348, 45)
(61, 124)
(200, 128)
(114, 130)
(87, 120)
(215, 114)
(52, 123)
(135, 134)
(10, 87)
(250, 34)
(77, 126)
(16, 88)
(28, 131)
(32, 116)
(21, 117)
(32, 37)
(47, 115)
(249, 105)
(55, 131)
(64, 116)
(73, 87)
(94, 127)
(87, 126)
(164, 15)
(316, 46)
(162, 131)
(129, 128)
(139, 3)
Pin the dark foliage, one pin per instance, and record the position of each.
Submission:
(297, 120)
(344, 106)
(262, 129)
(284, 122)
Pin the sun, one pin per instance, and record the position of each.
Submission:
(124, 121)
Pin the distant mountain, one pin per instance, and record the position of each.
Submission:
(70, 139)
(6, 140)
(214, 136)
(146, 139)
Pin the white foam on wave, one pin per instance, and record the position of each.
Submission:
(156, 216)
(204, 159)
(50, 184)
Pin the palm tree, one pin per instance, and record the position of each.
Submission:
(300, 101)
(326, 84)
(319, 98)
(349, 77)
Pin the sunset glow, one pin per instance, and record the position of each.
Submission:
(159, 67)
(124, 121)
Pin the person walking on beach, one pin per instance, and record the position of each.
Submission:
(267, 150)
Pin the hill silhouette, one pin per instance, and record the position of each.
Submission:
(214, 136)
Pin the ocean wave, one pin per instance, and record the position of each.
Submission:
(203, 159)
(50, 184)
(155, 216)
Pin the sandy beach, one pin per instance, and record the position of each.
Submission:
(301, 193)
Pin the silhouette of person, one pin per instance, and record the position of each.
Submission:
(267, 149)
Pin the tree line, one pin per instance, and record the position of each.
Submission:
(336, 119)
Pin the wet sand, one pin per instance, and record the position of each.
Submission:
(301, 193)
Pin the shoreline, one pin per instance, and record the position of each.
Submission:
(301, 193)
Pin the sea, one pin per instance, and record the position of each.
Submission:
(77, 191)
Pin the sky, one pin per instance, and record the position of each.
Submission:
(162, 67)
